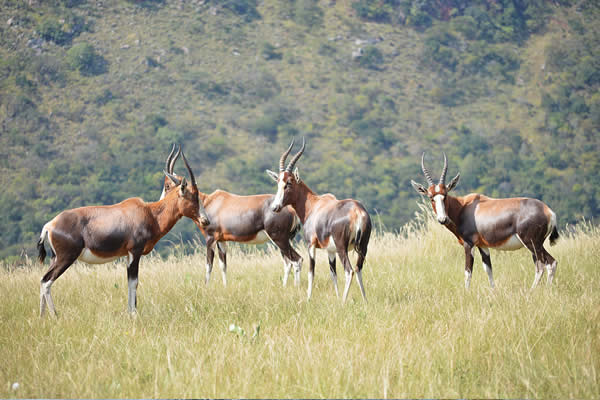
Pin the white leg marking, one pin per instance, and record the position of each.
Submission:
(467, 279)
(297, 269)
(310, 284)
(46, 298)
(222, 265)
(331, 256)
(360, 284)
(132, 283)
(208, 270)
(287, 267)
(349, 276)
(551, 271)
(538, 275)
(488, 268)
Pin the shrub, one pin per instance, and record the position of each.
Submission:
(269, 52)
(372, 58)
(308, 13)
(83, 58)
(52, 30)
(375, 10)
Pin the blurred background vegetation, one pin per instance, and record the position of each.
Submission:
(94, 92)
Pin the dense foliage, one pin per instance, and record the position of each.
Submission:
(93, 94)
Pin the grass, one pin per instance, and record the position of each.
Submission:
(421, 334)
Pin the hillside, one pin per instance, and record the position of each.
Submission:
(94, 92)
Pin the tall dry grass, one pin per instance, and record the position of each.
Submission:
(420, 335)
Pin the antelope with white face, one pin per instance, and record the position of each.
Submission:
(99, 234)
(330, 224)
(484, 222)
(244, 219)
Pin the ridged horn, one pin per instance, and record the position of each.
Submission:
(425, 171)
(443, 176)
(192, 178)
(284, 156)
(290, 166)
(168, 163)
(172, 165)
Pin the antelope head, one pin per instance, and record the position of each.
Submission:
(188, 200)
(287, 181)
(437, 192)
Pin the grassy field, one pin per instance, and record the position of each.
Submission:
(421, 334)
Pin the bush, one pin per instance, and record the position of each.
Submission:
(372, 58)
(243, 8)
(269, 52)
(308, 13)
(82, 57)
(52, 30)
(375, 10)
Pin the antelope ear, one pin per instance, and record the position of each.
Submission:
(272, 174)
(297, 175)
(183, 187)
(419, 188)
(453, 182)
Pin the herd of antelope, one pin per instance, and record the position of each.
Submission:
(99, 234)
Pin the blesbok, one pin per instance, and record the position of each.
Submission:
(244, 219)
(483, 222)
(330, 224)
(99, 234)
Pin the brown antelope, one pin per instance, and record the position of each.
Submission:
(330, 224)
(244, 219)
(483, 222)
(99, 234)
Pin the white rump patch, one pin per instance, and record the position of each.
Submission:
(90, 258)
(513, 243)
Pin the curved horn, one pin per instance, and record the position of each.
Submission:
(425, 171)
(284, 156)
(443, 176)
(290, 166)
(172, 164)
(192, 178)
(173, 178)
(168, 163)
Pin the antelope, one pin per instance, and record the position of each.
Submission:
(243, 219)
(483, 222)
(336, 226)
(100, 234)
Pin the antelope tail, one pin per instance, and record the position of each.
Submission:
(40, 246)
(296, 226)
(362, 228)
(554, 233)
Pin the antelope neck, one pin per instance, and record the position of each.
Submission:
(304, 201)
(165, 213)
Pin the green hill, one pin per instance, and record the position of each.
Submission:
(93, 93)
